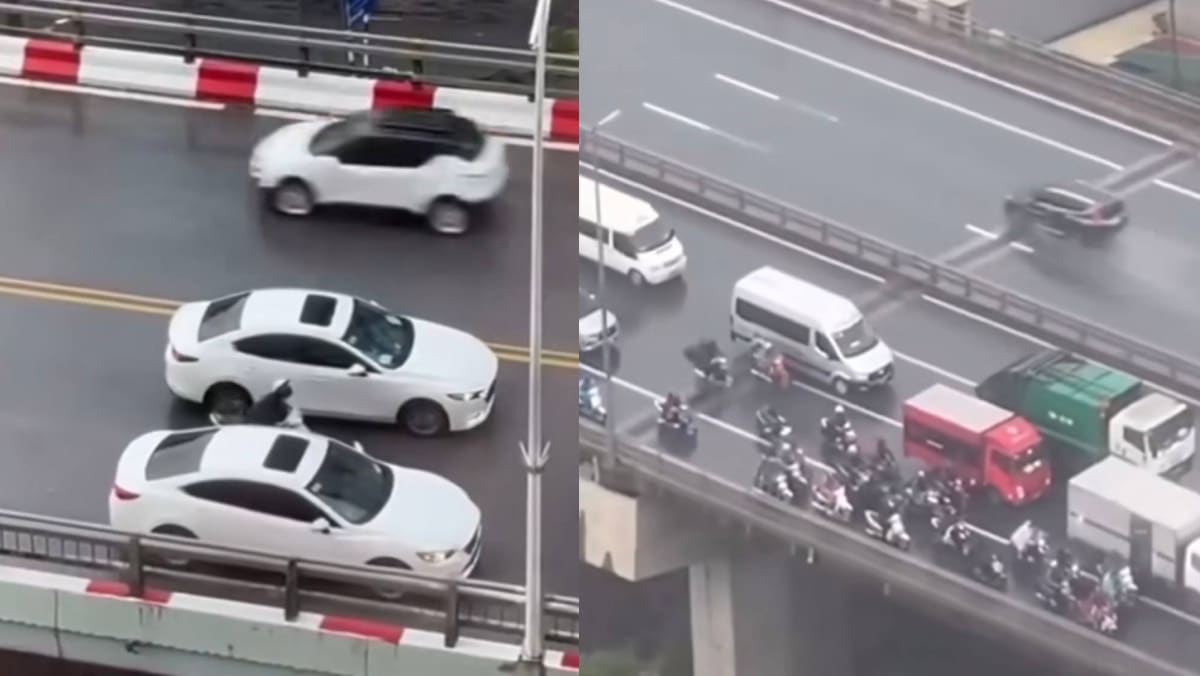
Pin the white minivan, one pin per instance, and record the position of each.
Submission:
(819, 332)
(636, 244)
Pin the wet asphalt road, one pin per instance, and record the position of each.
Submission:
(153, 200)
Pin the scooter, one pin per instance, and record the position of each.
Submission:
(1031, 545)
(832, 503)
(772, 480)
(294, 420)
(715, 373)
(682, 427)
(771, 427)
(1118, 584)
(989, 570)
(890, 531)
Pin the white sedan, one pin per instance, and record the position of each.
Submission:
(346, 358)
(429, 162)
(297, 494)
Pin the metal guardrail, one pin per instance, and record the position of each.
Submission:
(497, 69)
(1154, 364)
(1007, 617)
(1131, 99)
(491, 608)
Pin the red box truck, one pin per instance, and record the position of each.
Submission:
(979, 441)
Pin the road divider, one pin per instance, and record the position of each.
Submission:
(163, 307)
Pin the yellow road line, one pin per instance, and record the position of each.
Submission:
(156, 306)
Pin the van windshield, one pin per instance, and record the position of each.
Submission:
(1172, 431)
(651, 236)
(856, 339)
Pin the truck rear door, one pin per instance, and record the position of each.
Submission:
(1141, 547)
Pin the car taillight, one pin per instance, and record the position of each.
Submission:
(122, 494)
(181, 357)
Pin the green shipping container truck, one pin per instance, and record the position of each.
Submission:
(1089, 411)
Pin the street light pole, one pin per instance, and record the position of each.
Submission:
(603, 241)
(1176, 75)
(534, 452)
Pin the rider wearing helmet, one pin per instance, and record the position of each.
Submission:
(672, 408)
(274, 407)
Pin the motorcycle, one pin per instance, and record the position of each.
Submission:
(1118, 584)
(829, 499)
(1099, 613)
(943, 512)
(1031, 545)
(773, 480)
(841, 446)
(292, 420)
(769, 366)
(771, 425)
(794, 468)
(708, 364)
(591, 404)
(680, 427)
(988, 569)
(890, 531)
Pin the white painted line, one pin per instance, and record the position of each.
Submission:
(737, 225)
(750, 88)
(676, 116)
(291, 115)
(981, 232)
(520, 142)
(948, 375)
(979, 75)
(112, 93)
(1021, 246)
(609, 118)
(1167, 185)
(929, 98)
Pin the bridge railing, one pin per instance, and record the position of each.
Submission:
(1135, 100)
(944, 282)
(491, 609)
(189, 35)
(903, 575)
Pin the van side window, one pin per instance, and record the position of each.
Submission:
(624, 245)
(587, 229)
(826, 347)
(772, 322)
(1136, 438)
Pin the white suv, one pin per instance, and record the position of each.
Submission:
(428, 162)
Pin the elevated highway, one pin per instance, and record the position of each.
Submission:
(936, 342)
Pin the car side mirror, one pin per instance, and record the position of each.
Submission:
(357, 370)
(321, 525)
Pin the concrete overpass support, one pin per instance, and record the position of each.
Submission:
(767, 615)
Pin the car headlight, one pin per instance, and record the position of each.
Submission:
(436, 557)
(469, 396)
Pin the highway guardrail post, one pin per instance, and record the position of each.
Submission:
(450, 606)
(135, 571)
(291, 591)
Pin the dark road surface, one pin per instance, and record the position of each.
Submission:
(933, 345)
(896, 147)
(153, 200)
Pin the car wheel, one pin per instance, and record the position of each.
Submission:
(423, 418)
(179, 532)
(228, 400)
(840, 386)
(636, 278)
(293, 197)
(389, 593)
(449, 217)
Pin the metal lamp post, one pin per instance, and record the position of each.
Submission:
(603, 241)
(534, 452)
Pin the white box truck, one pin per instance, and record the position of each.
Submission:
(1153, 523)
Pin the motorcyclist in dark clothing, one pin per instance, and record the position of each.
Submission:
(672, 409)
(273, 408)
(771, 423)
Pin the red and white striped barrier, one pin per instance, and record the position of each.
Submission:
(241, 83)
(97, 622)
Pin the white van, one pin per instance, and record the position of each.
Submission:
(820, 333)
(637, 244)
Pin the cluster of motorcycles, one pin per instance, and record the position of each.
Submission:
(868, 489)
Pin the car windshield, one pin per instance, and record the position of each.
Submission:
(856, 339)
(651, 236)
(330, 138)
(385, 338)
(1026, 462)
(1172, 431)
(351, 484)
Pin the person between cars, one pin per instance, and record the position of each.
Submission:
(273, 408)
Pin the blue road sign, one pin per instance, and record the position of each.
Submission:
(357, 11)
